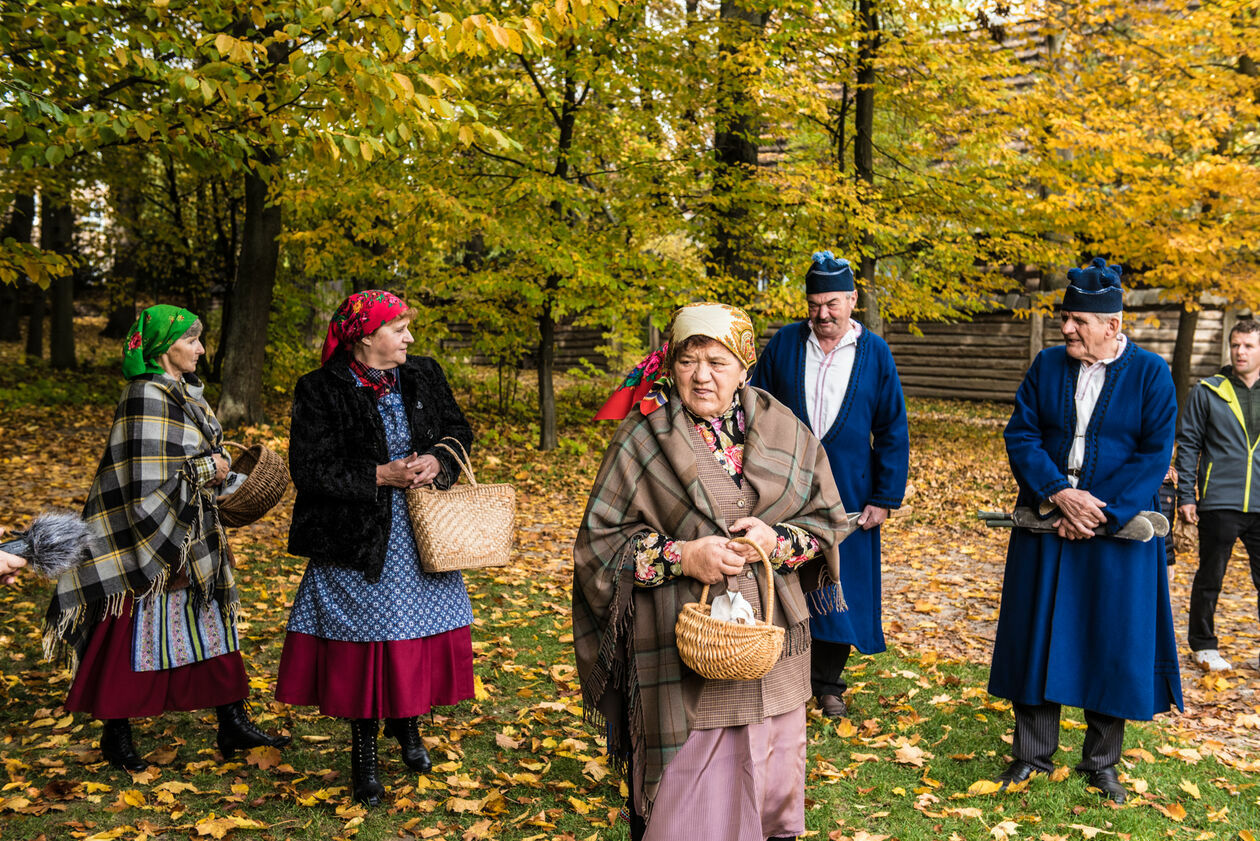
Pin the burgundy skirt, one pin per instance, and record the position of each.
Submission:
(394, 679)
(106, 686)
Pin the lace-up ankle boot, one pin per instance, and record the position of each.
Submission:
(117, 747)
(367, 788)
(237, 732)
(407, 732)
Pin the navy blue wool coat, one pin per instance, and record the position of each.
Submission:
(1088, 623)
(868, 446)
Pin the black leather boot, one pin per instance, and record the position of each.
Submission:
(407, 733)
(117, 747)
(237, 732)
(367, 788)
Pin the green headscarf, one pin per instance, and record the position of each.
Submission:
(157, 328)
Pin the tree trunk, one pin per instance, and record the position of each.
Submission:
(21, 223)
(226, 243)
(1037, 321)
(547, 438)
(245, 336)
(225, 327)
(1186, 327)
(864, 155)
(121, 313)
(735, 147)
(10, 312)
(35, 304)
(56, 219)
(1228, 319)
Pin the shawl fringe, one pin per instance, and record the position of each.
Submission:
(611, 669)
(797, 639)
(828, 598)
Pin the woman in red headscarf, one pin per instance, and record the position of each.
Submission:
(371, 635)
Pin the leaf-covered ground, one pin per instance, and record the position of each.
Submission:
(518, 762)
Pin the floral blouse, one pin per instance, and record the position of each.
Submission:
(658, 558)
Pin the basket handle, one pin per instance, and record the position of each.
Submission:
(765, 559)
(462, 460)
(234, 444)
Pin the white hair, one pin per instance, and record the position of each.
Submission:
(1098, 317)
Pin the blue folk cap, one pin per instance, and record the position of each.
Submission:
(1095, 288)
(827, 274)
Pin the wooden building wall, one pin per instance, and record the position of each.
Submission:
(573, 344)
(982, 359)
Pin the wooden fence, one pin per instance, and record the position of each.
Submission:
(981, 359)
(573, 345)
(985, 359)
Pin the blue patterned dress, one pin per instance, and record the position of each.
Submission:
(407, 603)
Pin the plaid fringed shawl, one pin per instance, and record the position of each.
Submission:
(150, 515)
(623, 636)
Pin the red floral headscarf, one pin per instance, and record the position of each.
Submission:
(360, 315)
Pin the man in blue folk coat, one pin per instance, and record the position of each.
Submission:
(841, 382)
(1085, 618)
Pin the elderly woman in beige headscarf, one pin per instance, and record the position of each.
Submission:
(699, 459)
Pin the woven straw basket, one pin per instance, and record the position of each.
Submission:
(266, 480)
(722, 650)
(465, 527)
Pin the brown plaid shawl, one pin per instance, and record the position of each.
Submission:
(150, 514)
(627, 657)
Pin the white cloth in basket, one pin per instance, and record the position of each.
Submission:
(732, 607)
(232, 483)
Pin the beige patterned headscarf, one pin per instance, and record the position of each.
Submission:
(723, 323)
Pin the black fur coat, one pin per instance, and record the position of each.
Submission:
(341, 518)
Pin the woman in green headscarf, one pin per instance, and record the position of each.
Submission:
(148, 621)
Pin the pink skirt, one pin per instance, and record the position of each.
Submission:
(394, 679)
(742, 783)
(106, 686)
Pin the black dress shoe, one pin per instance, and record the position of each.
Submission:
(832, 706)
(1107, 781)
(1016, 772)
(117, 747)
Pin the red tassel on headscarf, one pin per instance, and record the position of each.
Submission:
(637, 389)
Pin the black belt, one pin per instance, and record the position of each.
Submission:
(1074, 471)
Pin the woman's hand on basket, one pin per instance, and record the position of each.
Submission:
(430, 467)
(221, 468)
(710, 559)
(401, 472)
(756, 531)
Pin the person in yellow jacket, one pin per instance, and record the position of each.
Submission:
(1219, 483)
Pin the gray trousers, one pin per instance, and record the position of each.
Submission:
(1037, 737)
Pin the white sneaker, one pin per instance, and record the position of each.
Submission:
(1210, 660)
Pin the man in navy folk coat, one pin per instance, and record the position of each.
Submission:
(1085, 618)
(840, 380)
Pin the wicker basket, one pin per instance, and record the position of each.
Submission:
(722, 650)
(266, 480)
(466, 527)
